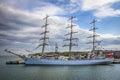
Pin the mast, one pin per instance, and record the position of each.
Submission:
(70, 39)
(44, 33)
(94, 35)
(56, 48)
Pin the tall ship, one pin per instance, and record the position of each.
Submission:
(44, 59)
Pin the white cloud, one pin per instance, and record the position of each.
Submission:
(112, 47)
(96, 4)
(27, 32)
(100, 8)
(49, 9)
(109, 36)
(106, 12)
(31, 29)
(57, 26)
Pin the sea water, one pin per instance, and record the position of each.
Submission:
(23, 72)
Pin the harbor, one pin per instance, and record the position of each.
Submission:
(116, 61)
(21, 72)
(94, 57)
(59, 39)
(15, 62)
(76, 54)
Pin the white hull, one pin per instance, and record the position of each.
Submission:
(38, 61)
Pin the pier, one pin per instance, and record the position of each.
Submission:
(116, 61)
(15, 62)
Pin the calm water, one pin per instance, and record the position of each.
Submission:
(22, 72)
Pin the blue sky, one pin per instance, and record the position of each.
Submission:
(21, 21)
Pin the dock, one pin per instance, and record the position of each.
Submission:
(15, 62)
(116, 61)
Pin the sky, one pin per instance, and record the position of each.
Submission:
(21, 21)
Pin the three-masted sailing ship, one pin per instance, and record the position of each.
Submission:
(44, 60)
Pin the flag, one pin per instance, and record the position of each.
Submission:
(28, 51)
